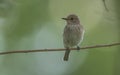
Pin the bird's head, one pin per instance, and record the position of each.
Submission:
(72, 19)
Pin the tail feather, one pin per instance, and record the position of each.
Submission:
(66, 56)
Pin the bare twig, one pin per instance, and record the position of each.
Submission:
(60, 49)
(105, 5)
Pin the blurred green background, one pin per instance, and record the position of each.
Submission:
(37, 24)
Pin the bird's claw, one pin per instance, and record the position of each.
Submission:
(78, 48)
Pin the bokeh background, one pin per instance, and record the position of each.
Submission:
(37, 24)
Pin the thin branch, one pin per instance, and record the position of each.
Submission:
(105, 5)
(61, 49)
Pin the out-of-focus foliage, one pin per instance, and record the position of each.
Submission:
(6, 6)
(37, 24)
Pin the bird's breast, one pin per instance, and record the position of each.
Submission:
(72, 34)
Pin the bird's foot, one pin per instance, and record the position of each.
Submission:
(78, 48)
(67, 48)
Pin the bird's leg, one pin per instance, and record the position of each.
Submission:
(78, 48)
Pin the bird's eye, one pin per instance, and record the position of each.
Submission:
(71, 19)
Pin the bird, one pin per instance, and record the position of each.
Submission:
(72, 35)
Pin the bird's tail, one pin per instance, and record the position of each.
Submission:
(66, 56)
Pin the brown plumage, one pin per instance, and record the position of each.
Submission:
(73, 34)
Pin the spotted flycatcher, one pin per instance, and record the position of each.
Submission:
(73, 34)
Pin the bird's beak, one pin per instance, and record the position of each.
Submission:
(64, 18)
